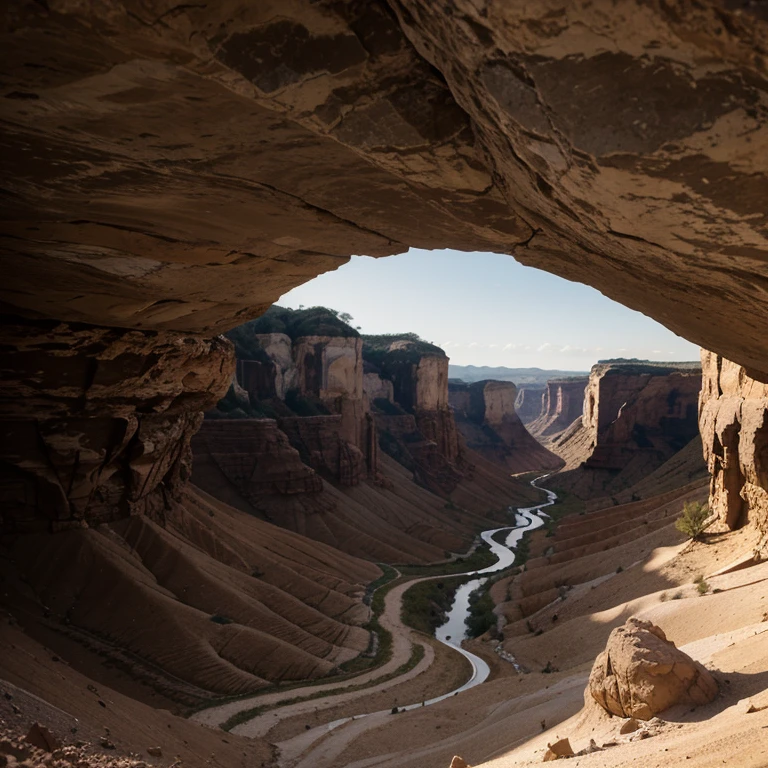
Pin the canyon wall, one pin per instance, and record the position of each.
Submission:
(97, 422)
(636, 416)
(169, 179)
(486, 417)
(562, 404)
(313, 385)
(733, 417)
(420, 430)
(296, 441)
(530, 402)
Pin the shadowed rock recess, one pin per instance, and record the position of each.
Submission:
(173, 169)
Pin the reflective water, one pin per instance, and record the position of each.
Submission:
(455, 629)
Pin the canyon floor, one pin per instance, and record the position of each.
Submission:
(509, 720)
(500, 723)
(598, 568)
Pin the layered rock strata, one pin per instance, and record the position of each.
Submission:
(293, 377)
(530, 402)
(733, 417)
(486, 417)
(97, 422)
(562, 404)
(417, 425)
(137, 170)
(636, 416)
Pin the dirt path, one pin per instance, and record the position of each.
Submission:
(403, 639)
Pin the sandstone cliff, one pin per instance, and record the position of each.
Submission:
(562, 404)
(97, 423)
(417, 428)
(733, 417)
(295, 442)
(636, 416)
(486, 417)
(309, 376)
(530, 402)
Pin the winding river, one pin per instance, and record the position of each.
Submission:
(319, 747)
(454, 630)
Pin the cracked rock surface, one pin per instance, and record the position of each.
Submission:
(181, 166)
(641, 673)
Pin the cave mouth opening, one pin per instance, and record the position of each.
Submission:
(487, 309)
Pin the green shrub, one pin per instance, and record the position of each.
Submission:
(701, 585)
(693, 519)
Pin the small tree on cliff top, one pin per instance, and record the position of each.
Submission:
(693, 519)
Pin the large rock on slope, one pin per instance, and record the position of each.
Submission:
(733, 420)
(641, 673)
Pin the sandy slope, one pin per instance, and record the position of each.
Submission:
(214, 602)
(501, 721)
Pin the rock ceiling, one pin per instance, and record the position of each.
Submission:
(179, 167)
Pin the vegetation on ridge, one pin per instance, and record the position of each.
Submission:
(295, 323)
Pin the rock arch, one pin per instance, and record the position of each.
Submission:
(175, 169)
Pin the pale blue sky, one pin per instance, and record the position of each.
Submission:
(486, 309)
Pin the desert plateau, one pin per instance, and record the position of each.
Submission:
(513, 511)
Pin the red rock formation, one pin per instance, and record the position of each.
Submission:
(423, 435)
(562, 404)
(486, 417)
(636, 416)
(733, 417)
(329, 371)
(529, 402)
(97, 422)
(255, 456)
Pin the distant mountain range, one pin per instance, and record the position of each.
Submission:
(470, 373)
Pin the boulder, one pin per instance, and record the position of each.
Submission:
(641, 673)
(629, 726)
(459, 762)
(40, 737)
(561, 748)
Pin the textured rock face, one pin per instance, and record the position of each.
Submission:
(562, 404)
(181, 167)
(97, 422)
(423, 436)
(628, 410)
(330, 370)
(733, 417)
(486, 417)
(256, 457)
(636, 416)
(377, 388)
(273, 376)
(529, 403)
(641, 673)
